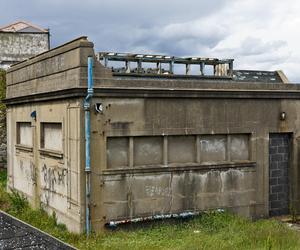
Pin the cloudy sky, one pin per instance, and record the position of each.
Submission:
(258, 34)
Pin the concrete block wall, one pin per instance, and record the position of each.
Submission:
(279, 153)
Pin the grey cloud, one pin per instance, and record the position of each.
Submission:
(252, 46)
(175, 27)
(181, 38)
(94, 18)
(254, 51)
(256, 46)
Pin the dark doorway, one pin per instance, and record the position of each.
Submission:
(279, 153)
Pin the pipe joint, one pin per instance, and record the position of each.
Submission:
(86, 106)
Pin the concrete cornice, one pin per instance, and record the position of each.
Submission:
(158, 93)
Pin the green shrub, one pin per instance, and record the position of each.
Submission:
(3, 178)
(18, 201)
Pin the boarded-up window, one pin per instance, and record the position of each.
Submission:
(117, 152)
(181, 149)
(51, 137)
(239, 147)
(213, 148)
(148, 150)
(24, 133)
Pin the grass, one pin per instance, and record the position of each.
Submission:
(209, 231)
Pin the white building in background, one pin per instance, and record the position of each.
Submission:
(20, 41)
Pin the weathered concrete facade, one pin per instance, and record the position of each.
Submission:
(161, 145)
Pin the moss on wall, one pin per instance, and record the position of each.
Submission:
(2, 119)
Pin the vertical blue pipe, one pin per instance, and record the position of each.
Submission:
(87, 105)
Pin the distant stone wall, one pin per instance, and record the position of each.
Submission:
(17, 47)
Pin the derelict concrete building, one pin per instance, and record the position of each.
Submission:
(160, 143)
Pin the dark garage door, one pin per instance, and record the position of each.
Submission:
(279, 150)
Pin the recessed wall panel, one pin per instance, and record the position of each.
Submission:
(213, 148)
(181, 149)
(148, 150)
(239, 147)
(51, 136)
(117, 152)
(24, 133)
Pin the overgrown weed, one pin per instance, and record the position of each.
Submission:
(211, 230)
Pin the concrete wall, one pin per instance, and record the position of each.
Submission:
(161, 145)
(17, 47)
(50, 171)
(166, 155)
(48, 174)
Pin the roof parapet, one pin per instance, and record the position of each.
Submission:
(282, 76)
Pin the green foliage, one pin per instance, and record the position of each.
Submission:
(18, 201)
(3, 178)
(268, 245)
(2, 83)
(4, 198)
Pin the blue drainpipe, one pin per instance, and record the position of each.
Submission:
(86, 106)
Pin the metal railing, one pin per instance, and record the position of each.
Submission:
(165, 65)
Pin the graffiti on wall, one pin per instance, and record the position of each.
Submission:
(29, 170)
(157, 191)
(52, 177)
(213, 145)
